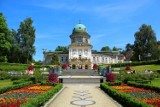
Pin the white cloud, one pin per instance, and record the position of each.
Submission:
(113, 11)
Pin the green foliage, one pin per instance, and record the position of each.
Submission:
(42, 98)
(5, 89)
(38, 76)
(5, 39)
(5, 83)
(4, 75)
(157, 62)
(16, 67)
(115, 49)
(62, 48)
(19, 77)
(125, 99)
(23, 43)
(143, 78)
(145, 44)
(105, 48)
(113, 83)
(55, 60)
(156, 82)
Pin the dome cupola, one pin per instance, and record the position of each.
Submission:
(80, 28)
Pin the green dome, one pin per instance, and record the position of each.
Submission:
(80, 28)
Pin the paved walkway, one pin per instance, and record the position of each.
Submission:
(82, 95)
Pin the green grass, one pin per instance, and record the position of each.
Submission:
(156, 82)
(144, 67)
(5, 83)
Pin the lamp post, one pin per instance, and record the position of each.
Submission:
(44, 50)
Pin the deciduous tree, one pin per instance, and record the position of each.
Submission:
(26, 32)
(5, 39)
(105, 48)
(145, 44)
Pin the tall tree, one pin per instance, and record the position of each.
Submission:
(5, 39)
(105, 48)
(158, 43)
(26, 32)
(145, 44)
(62, 48)
(55, 59)
(129, 51)
(14, 54)
(115, 49)
(129, 46)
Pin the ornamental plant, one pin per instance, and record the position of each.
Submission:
(53, 78)
(110, 77)
(95, 66)
(64, 66)
(128, 68)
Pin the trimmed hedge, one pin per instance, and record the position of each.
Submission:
(137, 63)
(113, 83)
(16, 66)
(13, 87)
(42, 98)
(124, 99)
(145, 86)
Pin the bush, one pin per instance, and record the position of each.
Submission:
(95, 66)
(64, 66)
(137, 63)
(53, 78)
(125, 99)
(4, 75)
(110, 77)
(113, 83)
(128, 68)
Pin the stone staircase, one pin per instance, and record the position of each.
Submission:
(80, 76)
(79, 72)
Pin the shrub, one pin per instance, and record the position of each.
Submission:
(53, 78)
(113, 83)
(110, 77)
(95, 66)
(4, 75)
(42, 98)
(128, 68)
(125, 99)
(64, 66)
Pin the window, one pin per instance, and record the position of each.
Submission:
(62, 59)
(79, 39)
(93, 58)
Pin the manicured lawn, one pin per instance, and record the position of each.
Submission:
(144, 67)
(5, 83)
(156, 82)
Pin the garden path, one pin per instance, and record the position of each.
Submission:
(82, 95)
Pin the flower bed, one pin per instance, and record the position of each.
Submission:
(149, 96)
(15, 98)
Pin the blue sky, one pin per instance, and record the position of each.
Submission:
(109, 22)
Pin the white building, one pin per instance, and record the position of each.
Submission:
(80, 55)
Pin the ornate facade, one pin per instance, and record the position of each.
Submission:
(80, 55)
